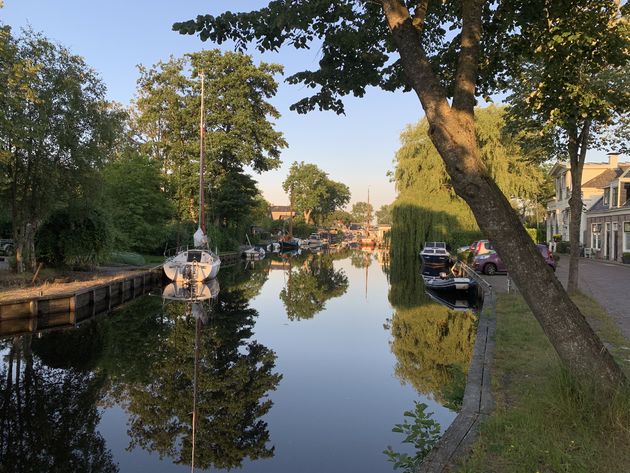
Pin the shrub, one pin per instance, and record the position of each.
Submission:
(76, 237)
(563, 247)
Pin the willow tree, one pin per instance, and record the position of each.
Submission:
(427, 207)
(448, 54)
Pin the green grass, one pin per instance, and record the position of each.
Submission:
(126, 257)
(544, 421)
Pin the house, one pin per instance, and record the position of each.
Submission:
(595, 178)
(281, 212)
(608, 221)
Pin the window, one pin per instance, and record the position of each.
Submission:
(606, 196)
(613, 199)
(626, 236)
(596, 239)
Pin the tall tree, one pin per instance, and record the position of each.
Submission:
(361, 212)
(384, 214)
(574, 86)
(139, 210)
(312, 192)
(404, 44)
(239, 124)
(56, 131)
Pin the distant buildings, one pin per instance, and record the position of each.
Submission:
(281, 212)
(596, 178)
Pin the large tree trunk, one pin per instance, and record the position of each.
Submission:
(24, 242)
(577, 155)
(307, 216)
(452, 130)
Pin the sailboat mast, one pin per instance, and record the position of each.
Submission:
(369, 216)
(202, 127)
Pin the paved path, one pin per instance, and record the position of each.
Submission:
(607, 283)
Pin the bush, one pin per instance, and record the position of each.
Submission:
(533, 233)
(76, 237)
(563, 247)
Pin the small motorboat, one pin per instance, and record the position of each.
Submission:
(435, 256)
(253, 254)
(448, 283)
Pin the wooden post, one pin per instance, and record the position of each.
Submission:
(33, 306)
(109, 297)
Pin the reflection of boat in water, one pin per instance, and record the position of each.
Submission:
(455, 300)
(254, 254)
(191, 291)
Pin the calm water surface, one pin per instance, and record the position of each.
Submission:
(302, 365)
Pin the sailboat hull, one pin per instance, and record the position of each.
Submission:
(192, 265)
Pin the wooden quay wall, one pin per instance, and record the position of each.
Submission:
(53, 311)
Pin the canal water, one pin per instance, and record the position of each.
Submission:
(301, 363)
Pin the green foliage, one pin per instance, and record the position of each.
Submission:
(239, 128)
(423, 434)
(139, 209)
(563, 247)
(427, 207)
(384, 214)
(361, 212)
(313, 193)
(589, 429)
(56, 131)
(128, 257)
(533, 233)
(77, 237)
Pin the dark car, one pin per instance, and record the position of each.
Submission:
(490, 263)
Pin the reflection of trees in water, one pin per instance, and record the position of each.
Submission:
(233, 380)
(48, 415)
(360, 259)
(433, 344)
(310, 286)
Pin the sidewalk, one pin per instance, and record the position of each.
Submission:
(608, 284)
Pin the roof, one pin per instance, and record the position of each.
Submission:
(603, 180)
(599, 206)
(281, 208)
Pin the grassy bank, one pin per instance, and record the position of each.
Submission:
(543, 421)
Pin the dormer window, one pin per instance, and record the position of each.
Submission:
(606, 196)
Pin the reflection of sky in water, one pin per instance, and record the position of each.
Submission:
(338, 399)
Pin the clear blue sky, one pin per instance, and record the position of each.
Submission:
(114, 36)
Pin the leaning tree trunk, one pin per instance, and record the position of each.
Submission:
(577, 155)
(452, 131)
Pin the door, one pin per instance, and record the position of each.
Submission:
(607, 241)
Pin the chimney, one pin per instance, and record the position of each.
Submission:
(613, 160)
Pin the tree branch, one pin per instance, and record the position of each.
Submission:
(418, 71)
(468, 64)
(420, 14)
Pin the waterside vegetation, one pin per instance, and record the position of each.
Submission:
(546, 420)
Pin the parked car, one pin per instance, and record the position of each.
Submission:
(6, 247)
(490, 263)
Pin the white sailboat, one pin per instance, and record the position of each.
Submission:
(198, 263)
